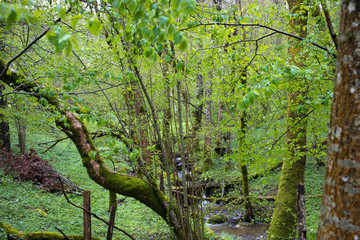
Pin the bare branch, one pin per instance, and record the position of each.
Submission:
(262, 26)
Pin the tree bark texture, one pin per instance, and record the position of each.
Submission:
(340, 212)
(283, 222)
(20, 124)
(301, 212)
(87, 215)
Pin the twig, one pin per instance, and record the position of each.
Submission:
(54, 144)
(329, 23)
(306, 115)
(28, 47)
(79, 59)
(262, 26)
(93, 214)
(66, 237)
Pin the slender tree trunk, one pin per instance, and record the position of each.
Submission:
(207, 125)
(249, 215)
(341, 198)
(4, 126)
(198, 112)
(20, 124)
(283, 223)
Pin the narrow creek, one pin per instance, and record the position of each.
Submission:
(252, 232)
(234, 226)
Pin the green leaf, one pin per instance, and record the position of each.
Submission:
(179, 66)
(64, 38)
(187, 7)
(178, 37)
(163, 20)
(164, 3)
(183, 45)
(131, 4)
(92, 155)
(75, 20)
(4, 10)
(12, 16)
(94, 26)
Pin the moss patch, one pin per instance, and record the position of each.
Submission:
(37, 235)
(217, 218)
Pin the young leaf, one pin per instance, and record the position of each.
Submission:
(94, 26)
(183, 45)
(187, 7)
(92, 154)
(74, 20)
(178, 37)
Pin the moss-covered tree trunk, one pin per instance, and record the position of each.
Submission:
(283, 223)
(340, 212)
(249, 215)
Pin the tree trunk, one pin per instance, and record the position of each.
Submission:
(198, 112)
(249, 215)
(20, 124)
(341, 198)
(5, 130)
(283, 222)
(207, 165)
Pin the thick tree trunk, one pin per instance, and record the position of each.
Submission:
(283, 222)
(341, 198)
(4, 126)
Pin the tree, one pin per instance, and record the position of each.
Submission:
(284, 219)
(339, 212)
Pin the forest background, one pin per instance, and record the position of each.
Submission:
(233, 89)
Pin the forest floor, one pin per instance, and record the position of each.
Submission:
(24, 206)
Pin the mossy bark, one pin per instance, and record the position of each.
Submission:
(12, 233)
(283, 223)
(112, 200)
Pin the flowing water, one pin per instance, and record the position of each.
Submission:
(253, 232)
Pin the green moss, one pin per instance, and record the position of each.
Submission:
(217, 218)
(38, 235)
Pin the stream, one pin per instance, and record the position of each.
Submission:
(252, 232)
(234, 227)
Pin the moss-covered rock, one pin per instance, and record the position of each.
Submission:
(217, 218)
(15, 234)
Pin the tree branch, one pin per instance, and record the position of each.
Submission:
(262, 26)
